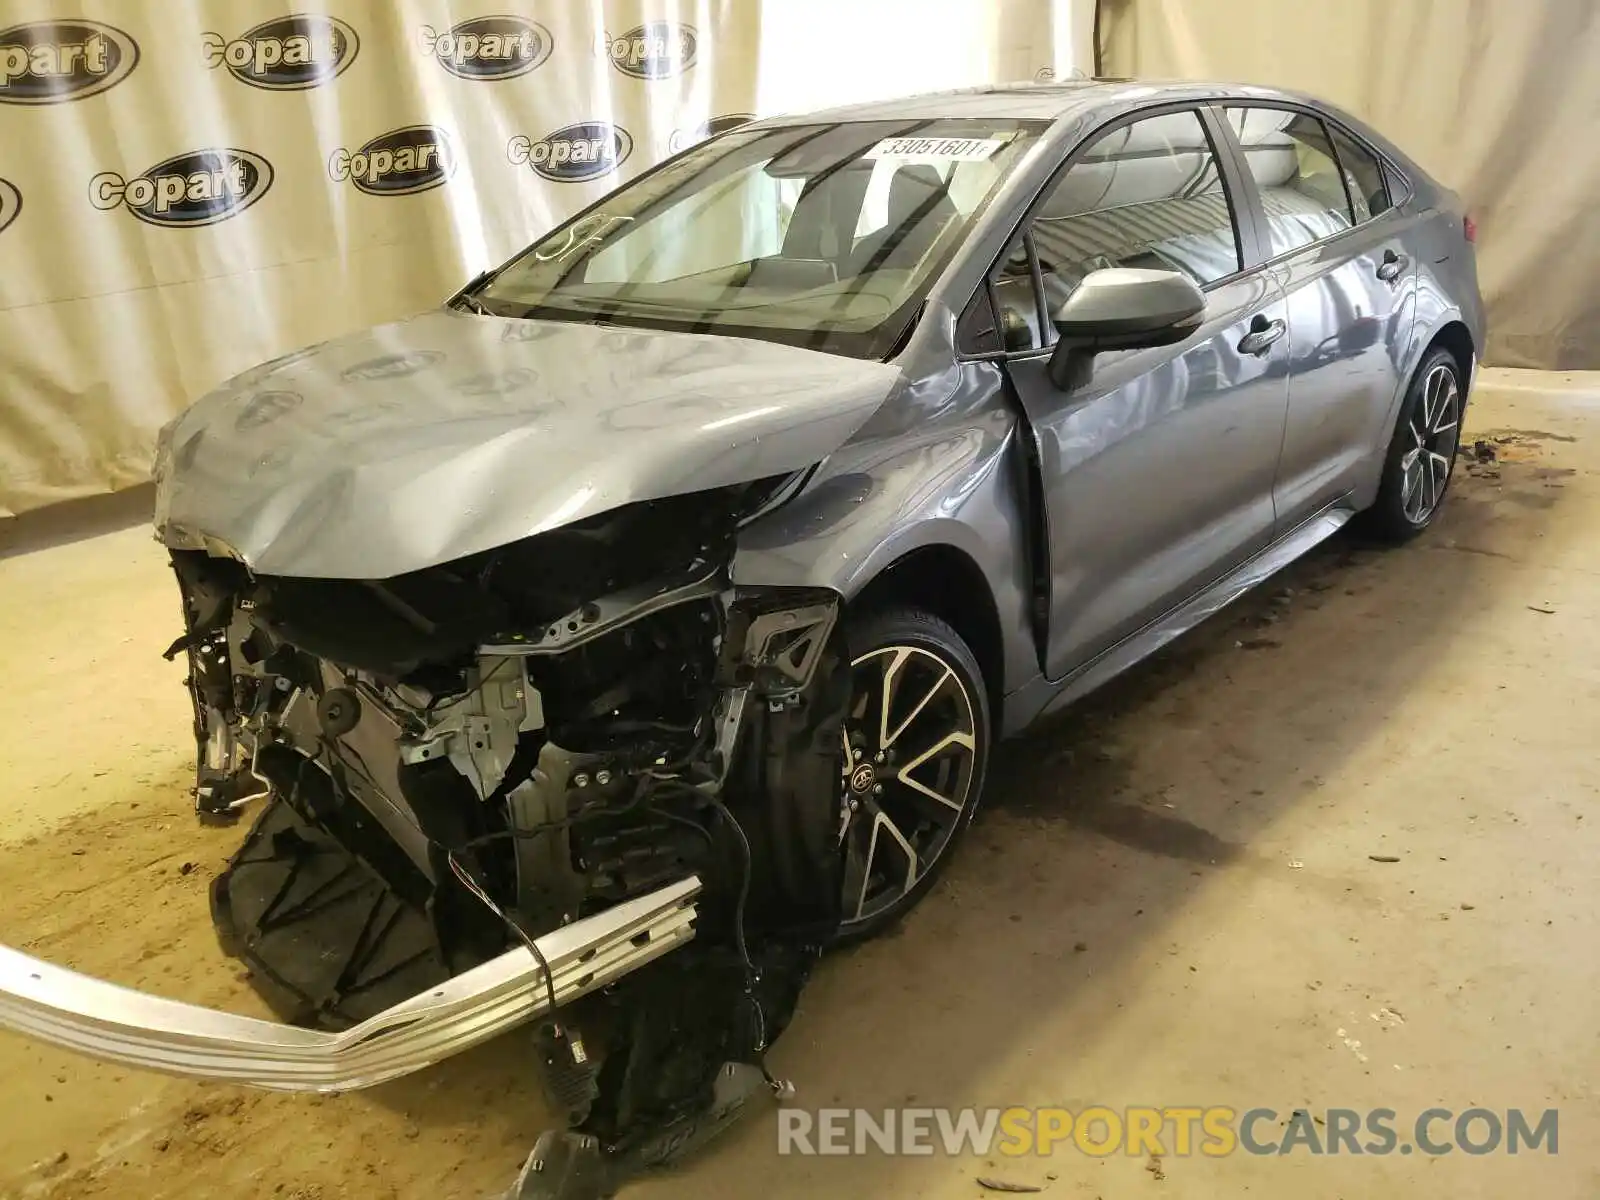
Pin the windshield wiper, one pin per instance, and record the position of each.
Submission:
(467, 296)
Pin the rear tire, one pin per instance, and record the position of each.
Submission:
(917, 734)
(1422, 453)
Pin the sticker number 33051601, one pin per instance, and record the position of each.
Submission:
(935, 149)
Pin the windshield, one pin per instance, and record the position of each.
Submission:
(826, 236)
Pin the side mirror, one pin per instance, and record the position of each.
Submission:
(1122, 308)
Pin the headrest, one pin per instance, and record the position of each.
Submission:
(911, 188)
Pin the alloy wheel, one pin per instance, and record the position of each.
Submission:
(910, 756)
(1435, 430)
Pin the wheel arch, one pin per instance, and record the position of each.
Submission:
(1447, 328)
(1448, 331)
(1455, 337)
(945, 581)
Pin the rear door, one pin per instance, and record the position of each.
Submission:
(1335, 244)
(1157, 473)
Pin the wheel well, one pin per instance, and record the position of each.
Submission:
(944, 582)
(1455, 338)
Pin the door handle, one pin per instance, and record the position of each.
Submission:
(1261, 336)
(1391, 266)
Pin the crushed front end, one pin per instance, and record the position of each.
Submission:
(452, 768)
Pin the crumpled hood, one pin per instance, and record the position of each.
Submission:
(450, 433)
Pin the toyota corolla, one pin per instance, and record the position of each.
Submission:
(599, 648)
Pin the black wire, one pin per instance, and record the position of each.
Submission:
(648, 787)
(469, 882)
(434, 706)
(744, 885)
(644, 792)
(684, 821)
(752, 976)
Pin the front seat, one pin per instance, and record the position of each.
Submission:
(919, 209)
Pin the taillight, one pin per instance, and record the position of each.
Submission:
(1469, 228)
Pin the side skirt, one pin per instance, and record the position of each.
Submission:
(1045, 696)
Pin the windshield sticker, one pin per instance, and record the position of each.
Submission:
(935, 150)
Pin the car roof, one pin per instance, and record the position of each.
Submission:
(1044, 101)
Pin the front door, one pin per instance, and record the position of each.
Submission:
(1336, 249)
(1157, 473)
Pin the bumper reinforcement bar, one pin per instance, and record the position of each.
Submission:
(106, 1021)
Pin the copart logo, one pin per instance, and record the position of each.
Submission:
(527, 331)
(48, 62)
(184, 458)
(489, 48)
(10, 203)
(391, 366)
(397, 163)
(682, 139)
(285, 54)
(575, 153)
(264, 408)
(656, 50)
(260, 371)
(200, 187)
(497, 383)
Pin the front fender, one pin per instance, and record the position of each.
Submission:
(955, 484)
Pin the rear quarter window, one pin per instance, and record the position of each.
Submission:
(1399, 186)
(1363, 175)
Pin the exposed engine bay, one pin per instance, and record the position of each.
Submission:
(445, 764)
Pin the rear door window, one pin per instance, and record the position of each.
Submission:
(1292, 160)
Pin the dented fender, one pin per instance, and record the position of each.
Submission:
(956, 482)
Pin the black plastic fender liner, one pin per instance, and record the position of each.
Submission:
(328, 942)
(784, 791)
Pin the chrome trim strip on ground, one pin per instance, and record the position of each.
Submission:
(107, 1021)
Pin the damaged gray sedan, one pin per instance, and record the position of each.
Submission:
(600, 648)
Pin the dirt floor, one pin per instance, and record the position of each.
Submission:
(1172, 899)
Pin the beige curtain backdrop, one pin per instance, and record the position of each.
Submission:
(190, 187)
(1499, 99)
(187, 189)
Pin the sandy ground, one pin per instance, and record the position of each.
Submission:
(1171, 899)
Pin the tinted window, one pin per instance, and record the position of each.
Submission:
(1363, 175)
(1292, 160)
(1144, 195)
(1399, 185)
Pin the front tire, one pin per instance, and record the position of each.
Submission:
(1422, 453)
(916, 748)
